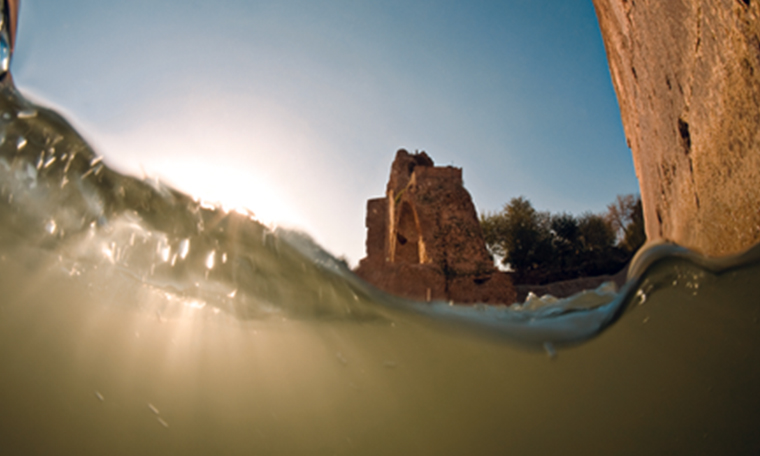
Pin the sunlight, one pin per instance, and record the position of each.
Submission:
(220, 184)
(223, 154)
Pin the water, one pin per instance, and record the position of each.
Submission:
(5, 41)
(136, 320)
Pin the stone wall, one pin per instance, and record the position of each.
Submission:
(424, 240)
(687, 77)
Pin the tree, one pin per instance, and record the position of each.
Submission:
(566, 239)
(542, 247)
(619, 213)
(634, 234)
(519, 234)
(626, 217)
(493, 227)
(595, 232)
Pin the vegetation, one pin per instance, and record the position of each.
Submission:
(541, 247)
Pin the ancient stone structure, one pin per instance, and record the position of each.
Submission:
(424, 240)
(687, 77)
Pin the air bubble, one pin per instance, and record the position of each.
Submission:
(184, 248)
(27, 113)
(550, 350)
(164, 251)
(68, 162)
(195, 304)
(108, 252)
(642, 297)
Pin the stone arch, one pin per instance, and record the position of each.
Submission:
(407, 236)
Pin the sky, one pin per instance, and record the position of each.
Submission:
(295, 109)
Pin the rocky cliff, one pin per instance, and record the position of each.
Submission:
(687, 77)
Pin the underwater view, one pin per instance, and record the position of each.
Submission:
(136, 319)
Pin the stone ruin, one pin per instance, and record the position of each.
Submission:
(424, 241)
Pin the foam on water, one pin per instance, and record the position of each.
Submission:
(137, 320)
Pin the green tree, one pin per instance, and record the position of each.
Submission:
(542, 247)
(519, 234)
(493, 227)
(566, 239)
(595, 232)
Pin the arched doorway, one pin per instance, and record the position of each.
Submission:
(407, 236)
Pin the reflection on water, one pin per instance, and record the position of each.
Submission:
(136, 320)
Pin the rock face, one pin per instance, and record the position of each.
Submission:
(424, 240)
(687, 77)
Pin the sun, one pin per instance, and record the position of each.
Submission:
(229, 187)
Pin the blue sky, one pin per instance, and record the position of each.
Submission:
(296, 108)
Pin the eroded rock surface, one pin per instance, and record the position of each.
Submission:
(687, 77)
(424, 240)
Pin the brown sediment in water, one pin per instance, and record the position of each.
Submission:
(86, 360)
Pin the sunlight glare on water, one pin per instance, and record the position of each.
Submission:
(230, 187)
(5, 44)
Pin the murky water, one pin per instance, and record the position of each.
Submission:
(136, 320)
